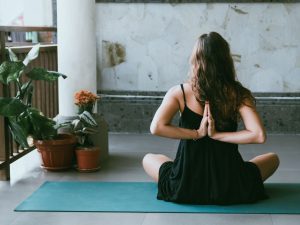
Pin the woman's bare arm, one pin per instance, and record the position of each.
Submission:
(254, 130)
(161, 123)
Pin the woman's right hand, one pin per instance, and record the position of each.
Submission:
(202, 130)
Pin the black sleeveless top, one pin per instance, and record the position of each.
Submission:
(208, 171)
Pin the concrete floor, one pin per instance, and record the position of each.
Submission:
(126, 152)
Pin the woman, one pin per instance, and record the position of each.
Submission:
(208, 169)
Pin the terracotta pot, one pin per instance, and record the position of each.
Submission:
(88, 159)
(57, 154)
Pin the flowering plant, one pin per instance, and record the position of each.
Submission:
(85, 100)
(84, 125)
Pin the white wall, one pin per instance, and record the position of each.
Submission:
(26, 12)
(158, 39)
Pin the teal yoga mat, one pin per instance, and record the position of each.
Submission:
(141, 197)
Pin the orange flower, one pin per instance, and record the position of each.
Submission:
(83, 97)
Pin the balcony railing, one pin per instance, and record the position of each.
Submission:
(45, 94)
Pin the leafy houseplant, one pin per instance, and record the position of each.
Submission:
(23, 119)
(82, 127)
(88, 156)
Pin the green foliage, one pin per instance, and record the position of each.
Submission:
(23, 119)
(83, 126)
(88, 119)
(42, 127)
(26, 91)
(18, 132)
(13, 57)
(42, 74)
(10, 71)
(11, 107)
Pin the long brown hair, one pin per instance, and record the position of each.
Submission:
(213, 79)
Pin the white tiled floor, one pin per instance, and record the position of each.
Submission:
(126, 152)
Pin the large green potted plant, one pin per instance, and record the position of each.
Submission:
(26, 121)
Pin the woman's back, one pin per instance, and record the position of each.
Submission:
(210, 170)
(206, 171)
(190, 100)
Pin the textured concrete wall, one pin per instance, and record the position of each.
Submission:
(134, 112)
(147, 46)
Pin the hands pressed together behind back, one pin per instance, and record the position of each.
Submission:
(207, 125)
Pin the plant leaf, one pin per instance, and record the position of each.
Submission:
(32, 54)
(43, 128)
(11, 107)
(24, 89)
(29, 93)
(13, 57)
(26, 85)
(62, 124)
(77, 125)
(88, 118)
(19, 134)
(43, 74)
(10, 71)
(24, 121)
(88, 130)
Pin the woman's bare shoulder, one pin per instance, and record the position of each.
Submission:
(174, 91)
(174, 95)
(187, 87)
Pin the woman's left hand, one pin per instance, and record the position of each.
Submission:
(211, 130)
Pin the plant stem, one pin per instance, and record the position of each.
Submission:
(29, 93)
(19, 88)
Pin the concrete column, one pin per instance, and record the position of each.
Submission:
(76, 51)
(76, 39)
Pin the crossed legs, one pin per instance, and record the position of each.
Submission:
(152, 163)
(267, 164)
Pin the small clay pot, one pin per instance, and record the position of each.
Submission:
(88, 159)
